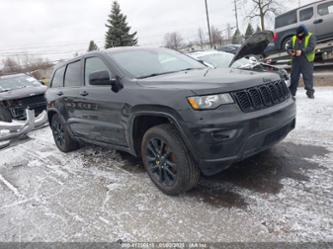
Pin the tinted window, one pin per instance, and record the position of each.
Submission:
(325, 8)
(144, 63)
(93, 65)
(286, 19)
(58, 78)
(306, 14)
(73, 75)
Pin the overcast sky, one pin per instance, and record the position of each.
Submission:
(58, 28)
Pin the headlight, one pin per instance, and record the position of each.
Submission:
(210, 101)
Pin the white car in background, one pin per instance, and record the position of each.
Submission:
(253, 46)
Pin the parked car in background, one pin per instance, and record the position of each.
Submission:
(218, 59)
(317, 17)
(19, 92)
(231, 48)
(181, 117)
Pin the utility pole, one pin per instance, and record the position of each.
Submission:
(208, 25)
(236, 14)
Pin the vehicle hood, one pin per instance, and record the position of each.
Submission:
(208, 80)
(255, 45)
(22, 93)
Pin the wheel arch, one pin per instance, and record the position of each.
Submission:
(143, 119)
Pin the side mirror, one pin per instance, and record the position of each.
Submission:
(100, 78)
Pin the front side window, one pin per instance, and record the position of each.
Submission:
(306, 14)
(92, 65)
(58, 78)
(286, 19)
(73, 76)
(143, 63)
(325, 8)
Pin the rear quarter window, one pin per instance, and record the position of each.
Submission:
(286, 19)
(58, 78)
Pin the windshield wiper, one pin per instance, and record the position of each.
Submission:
(157, 74)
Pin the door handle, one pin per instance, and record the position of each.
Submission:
(84, 93)
(318, 21)
(60, 93)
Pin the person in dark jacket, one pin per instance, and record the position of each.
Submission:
(302, 49)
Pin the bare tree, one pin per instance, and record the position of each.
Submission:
(217, 38)
(263, 8)
(10, 66)
(201, 38)
(173, 40)
(26, 64)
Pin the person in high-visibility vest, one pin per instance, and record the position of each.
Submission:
(302, 49)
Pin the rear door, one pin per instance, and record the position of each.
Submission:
(324, 21)
(307, 16)
(74, 102)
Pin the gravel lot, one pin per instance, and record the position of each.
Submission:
(94, 194)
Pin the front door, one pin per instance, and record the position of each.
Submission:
(324, 21)
(106, 106)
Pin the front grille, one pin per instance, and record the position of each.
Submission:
(260, 97)
(32, 101)
(37, 103)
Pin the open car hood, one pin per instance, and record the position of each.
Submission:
(255, 45)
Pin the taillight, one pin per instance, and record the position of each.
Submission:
(275, 37)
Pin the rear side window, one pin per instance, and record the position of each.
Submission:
(286, 19)
(306, 14)
(73, 75)
(58, 78)
(325, 8)
(92, 65)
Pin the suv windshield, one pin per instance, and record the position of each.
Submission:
(146, 63)
(17, 82)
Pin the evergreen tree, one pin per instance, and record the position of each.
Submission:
(249, 31)
(118, 33)
(237, 37)
(92, 46)
(258, 29)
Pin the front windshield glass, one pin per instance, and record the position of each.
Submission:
(17, 82)
(222, 60)
(147, 63)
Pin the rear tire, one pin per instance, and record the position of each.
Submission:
(5, 115)
(285, 43)
(62, 138)
(167, 161)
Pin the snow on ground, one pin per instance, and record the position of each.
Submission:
(94, 194)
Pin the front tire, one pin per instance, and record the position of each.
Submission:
(167, 161)
(61, 135)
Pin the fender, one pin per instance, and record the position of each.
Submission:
(159, 111)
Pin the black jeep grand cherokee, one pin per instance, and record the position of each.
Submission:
(181, 117)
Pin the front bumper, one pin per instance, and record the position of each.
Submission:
(230, 136)
(15, 129)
